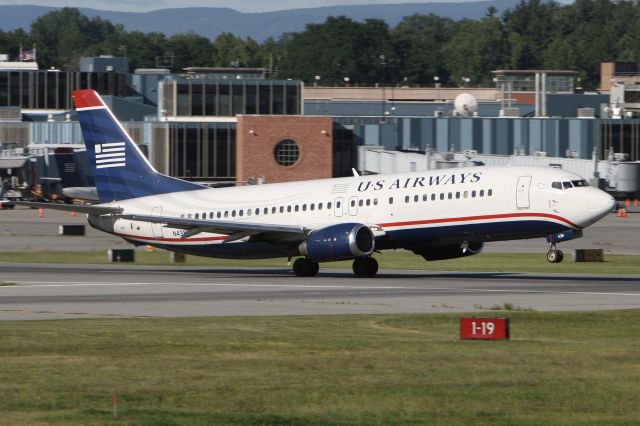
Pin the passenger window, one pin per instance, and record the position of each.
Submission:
(406, 199)
(433, 197)
(465, 194)
(312, 207)
(240, 213)
(211, 215)
(450, 195)
(442, 195)
(481, 193)
(556, 185)
(266, 210)
(189, 215)
(490, 193)
(226, 213)
(329, 205)
(257, 211)
(197, 215)
(390, 200)
(353, 203)
(425, 197)
(375, 201)
(297, 208)
(233, 213)
(288, 209)
(320, 206)
(368, 202)
(361, 203)
(458, 195)
(416, 198)
(304, 207)
(473, 194)
(219, 215)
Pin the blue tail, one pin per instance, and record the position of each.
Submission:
(120, 170)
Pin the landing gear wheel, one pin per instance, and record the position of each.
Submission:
(365, 267)
(304, 267)
(555, 256)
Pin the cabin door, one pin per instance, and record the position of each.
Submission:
(522, 192)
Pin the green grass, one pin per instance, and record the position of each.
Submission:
(6, 284)
(399, 259)
(559, 368)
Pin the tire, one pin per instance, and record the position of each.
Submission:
(552, 256)
(560, 256)
(304, 267)
(365, 267)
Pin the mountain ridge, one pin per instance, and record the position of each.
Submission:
(211, 21)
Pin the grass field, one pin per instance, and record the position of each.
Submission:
(400, 259)
(559, 368)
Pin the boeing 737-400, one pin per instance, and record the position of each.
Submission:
(437, 214)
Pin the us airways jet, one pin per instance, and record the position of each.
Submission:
(440, 214)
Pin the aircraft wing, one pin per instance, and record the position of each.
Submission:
(234, 230)
(96, 209)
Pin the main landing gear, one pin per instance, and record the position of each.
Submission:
(304, 267)
(363, 267)
(553, 255)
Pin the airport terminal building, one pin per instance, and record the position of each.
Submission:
(236, 126)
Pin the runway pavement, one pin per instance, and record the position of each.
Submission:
(70, 291)
(21, 229)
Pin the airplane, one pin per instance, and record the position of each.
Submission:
(437, 214)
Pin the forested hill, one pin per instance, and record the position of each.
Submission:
(534, 34)
(211, 22)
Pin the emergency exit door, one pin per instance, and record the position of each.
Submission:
(522, 192)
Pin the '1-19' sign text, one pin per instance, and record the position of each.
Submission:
(484, 328)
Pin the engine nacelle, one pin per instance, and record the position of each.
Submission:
(450, 251)
(338, 242)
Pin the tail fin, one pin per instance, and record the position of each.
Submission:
(120, 170)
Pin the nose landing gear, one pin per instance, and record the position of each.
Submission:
(553, 255)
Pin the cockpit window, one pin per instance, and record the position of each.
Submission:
(579, 183)
(556, 185)
(567, 185)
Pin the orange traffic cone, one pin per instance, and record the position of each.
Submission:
(628, 203)
(40, 213)
(72, 214)
(635, 203)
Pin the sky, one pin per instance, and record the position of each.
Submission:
(244, 6)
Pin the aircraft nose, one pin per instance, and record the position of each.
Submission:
(600, 204)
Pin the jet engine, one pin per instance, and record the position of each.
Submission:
(338, 242)
(449, 251)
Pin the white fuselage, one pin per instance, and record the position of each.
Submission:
(410, 210)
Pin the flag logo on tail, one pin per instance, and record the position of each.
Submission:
(111, 154)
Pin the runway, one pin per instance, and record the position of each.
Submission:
(87, 291)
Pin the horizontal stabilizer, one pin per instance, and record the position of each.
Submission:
(97, 209)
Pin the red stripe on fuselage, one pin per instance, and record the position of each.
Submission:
(476, 218)
(384, 225)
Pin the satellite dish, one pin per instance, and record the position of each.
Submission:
(465, 105)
